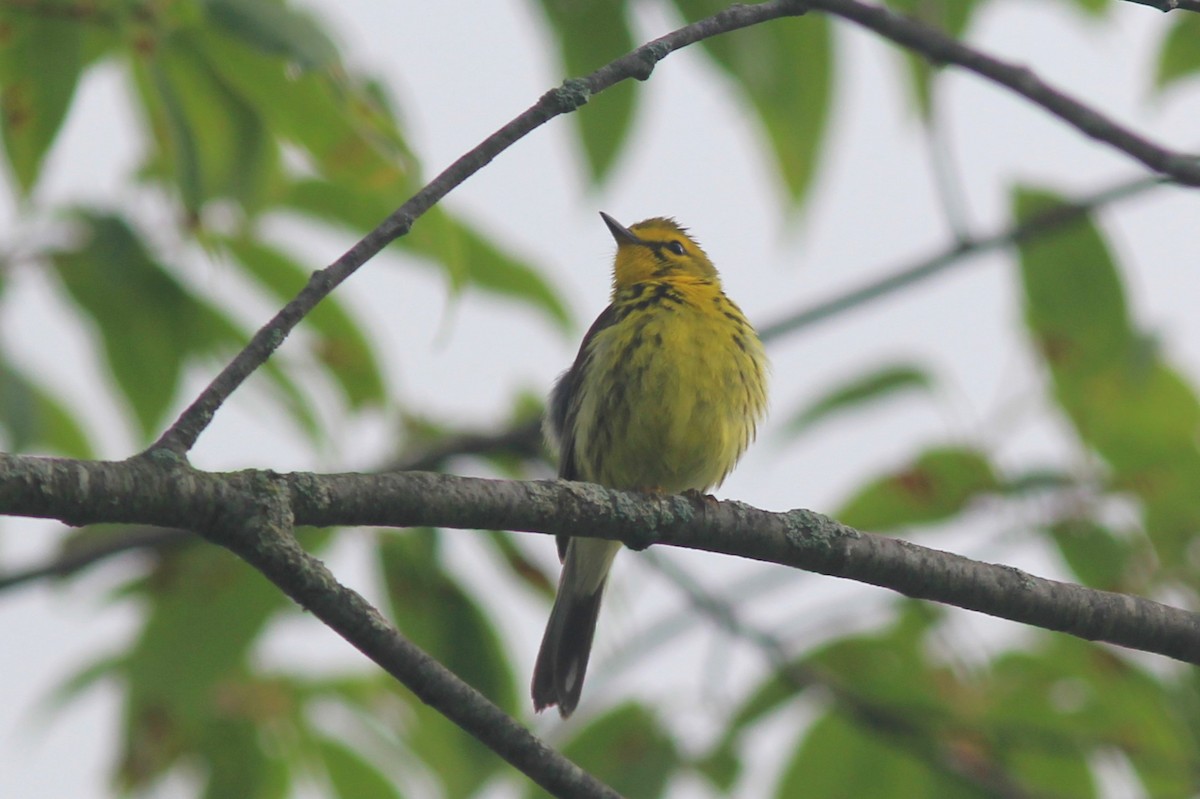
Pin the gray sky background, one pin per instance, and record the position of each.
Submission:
(458, 71)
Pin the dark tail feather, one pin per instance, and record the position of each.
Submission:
(562, 661)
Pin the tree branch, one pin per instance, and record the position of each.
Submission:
(179, 438)
(1040, 224)
(264, 539)
(898, 728)
(1169, 5)
(940, 48)
(525, 439)
(138, 491)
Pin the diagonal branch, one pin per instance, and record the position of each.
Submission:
(181, 436)
(142, 492)
(941, 48)
(899, 728)
(264, 539)
(958, 255)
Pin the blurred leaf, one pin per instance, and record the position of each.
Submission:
(950, 16)
(935, 487)
(351, 775)
(1037, 480)
(1074, 304)
(238, 764)
(357, 145)
(275, 29)
(142, 313)
(589, 36)
(432, 609)
(341, 345)
(628, 749)
(837, 759)
(212, 143)
(878, 384)
(149, 322)
(786, 71)
(1179, 56)
(1094, 554)
(721, 767)
(1093, 8)
(205, 608)
(468, 258)
(1137, 412)
(33, 417)
(885, 669)
(41, 59)
(1069, 700)
(464, 251)
(438, 615)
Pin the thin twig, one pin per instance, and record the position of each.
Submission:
(96, 549)
(1045, 222)
(179, 438)
(941, 48)
(897, 728)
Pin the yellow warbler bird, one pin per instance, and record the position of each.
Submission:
(664, 396)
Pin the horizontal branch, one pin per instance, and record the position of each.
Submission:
(141, 491)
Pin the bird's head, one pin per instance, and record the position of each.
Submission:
(656, 249)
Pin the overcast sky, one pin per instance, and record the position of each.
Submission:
(459, 70)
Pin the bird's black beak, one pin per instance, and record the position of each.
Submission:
(622, 234)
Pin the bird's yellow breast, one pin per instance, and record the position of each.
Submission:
(672, 391)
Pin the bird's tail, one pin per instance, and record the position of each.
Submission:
(562, 660)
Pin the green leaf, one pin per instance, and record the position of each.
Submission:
(462, 250)
(341, 347)
(1072, 700)
(467, 257)
(238, 764)
(142, 313)
(275, 29)
(1093, 8)
(32, 417)
(837, 759)
(628, 749)
(41, 59)
(357, 145)
(1098, 558)
(205, 608)
(786, 71)
(1179, 56)
(1128, 405)
(589, 36)
(1074, 303)
(432, 609)
(351, 775)
(438, 615)
(935, 487)
(150, 324)
(1037, 480)
(212, 143)
(950, 16)
(883, 382)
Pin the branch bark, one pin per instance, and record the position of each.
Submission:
(145, 490)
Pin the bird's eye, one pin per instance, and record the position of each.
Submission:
(676, 247)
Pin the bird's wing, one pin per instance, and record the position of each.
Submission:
(564, 405)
